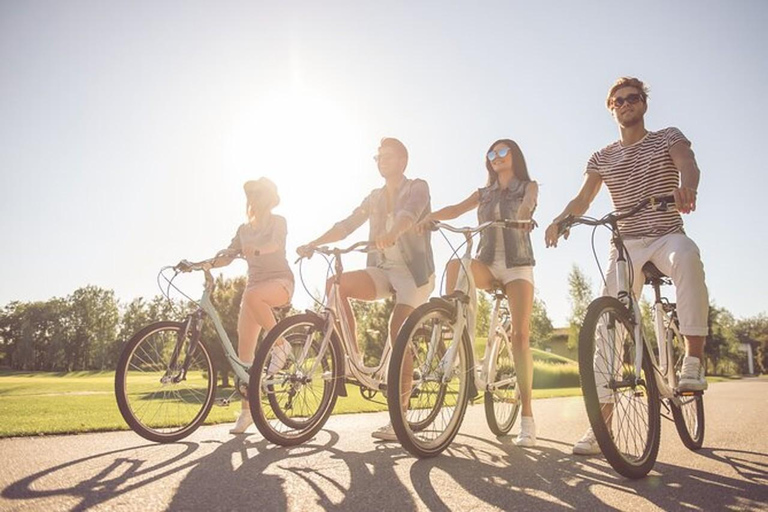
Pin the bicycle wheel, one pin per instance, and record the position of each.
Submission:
(157, 400)
(440, 391)
(291, 403)
(502, 404)
(689, 414)
(623, 407)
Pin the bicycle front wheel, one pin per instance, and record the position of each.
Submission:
(292, 387)
(502, 400)
(622, 405)
(439, 368)
(156, 397)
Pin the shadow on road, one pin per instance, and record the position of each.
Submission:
(243, 473)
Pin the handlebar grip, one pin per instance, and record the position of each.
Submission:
(564, 225)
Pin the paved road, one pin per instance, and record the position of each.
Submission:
(343, 468)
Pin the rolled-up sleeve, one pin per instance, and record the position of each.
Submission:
(357, 218)
(415, 202)
(235, 246)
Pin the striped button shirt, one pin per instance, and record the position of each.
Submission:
(642, 170)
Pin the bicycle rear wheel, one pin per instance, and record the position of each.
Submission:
(155, 397)
(623, 407)
(502, 403)
(291, 402)
(689, 414)
(440, 390)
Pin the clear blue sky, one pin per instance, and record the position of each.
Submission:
(128, 128)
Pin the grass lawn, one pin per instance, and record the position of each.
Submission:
(54, 403)
(35, 403)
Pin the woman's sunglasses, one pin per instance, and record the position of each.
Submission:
(503, 152)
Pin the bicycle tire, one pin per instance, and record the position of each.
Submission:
(291, 405)
(632, 444)
(443, 403)
(154, 406)
(503, 404)
(689, 415)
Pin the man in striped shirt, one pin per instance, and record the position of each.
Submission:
(644, 164)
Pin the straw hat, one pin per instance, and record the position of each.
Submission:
(262, 191)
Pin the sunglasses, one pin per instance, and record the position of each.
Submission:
(618, 101)
(384, 156)
(503, 152)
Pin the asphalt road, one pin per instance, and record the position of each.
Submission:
(343, 468)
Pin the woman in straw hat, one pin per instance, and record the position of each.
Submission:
(261, 242)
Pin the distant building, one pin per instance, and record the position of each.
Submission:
(558, 344)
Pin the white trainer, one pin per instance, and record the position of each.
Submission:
(587, 445)
(527, 436)
(243, 422)
(692, 375)
(385, 433)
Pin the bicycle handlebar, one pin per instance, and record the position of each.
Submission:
(505, 223)
(660, 203)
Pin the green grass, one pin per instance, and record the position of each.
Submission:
(36, 403)
(55, 403)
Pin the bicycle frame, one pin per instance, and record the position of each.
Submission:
(238, 367)
(336, 322)
(664, 331)
(484, 375)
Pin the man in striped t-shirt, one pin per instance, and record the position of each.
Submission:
(643, 164)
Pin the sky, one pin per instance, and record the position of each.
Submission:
(128, 128)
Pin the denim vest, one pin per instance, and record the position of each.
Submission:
(518, 250)
(412, 200)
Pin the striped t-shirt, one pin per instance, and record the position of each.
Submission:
(633, 173)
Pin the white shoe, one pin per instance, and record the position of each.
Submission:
(385, 433)
(527, 436)
(243, 422)
(587, 445)
(280, 352)
(692, 375)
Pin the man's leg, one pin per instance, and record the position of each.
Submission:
(357, 284)
(679, 258)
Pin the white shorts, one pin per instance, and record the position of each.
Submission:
(400, 281)
(506, 275)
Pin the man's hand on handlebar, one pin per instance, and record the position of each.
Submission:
(685, 199)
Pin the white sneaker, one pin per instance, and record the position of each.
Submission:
(385, 433)
(692, 375)
(280, 352)
(243, 422)
(587, 445)
(527, 436)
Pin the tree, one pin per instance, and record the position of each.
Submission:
(754, 331)
(372, 327)
(580, 295)
(721, 348)
(94, 317)
(541, 325)
(484, 307)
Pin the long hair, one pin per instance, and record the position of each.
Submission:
(518, 162)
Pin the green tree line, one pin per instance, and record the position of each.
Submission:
(87, 329)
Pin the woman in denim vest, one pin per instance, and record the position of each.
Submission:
(505, 255)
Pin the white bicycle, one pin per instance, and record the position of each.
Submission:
(623, 382)
(439, 338)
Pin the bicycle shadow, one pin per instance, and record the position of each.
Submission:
(124, 470)
(545, 478)
(264, 478)
(245, 473)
